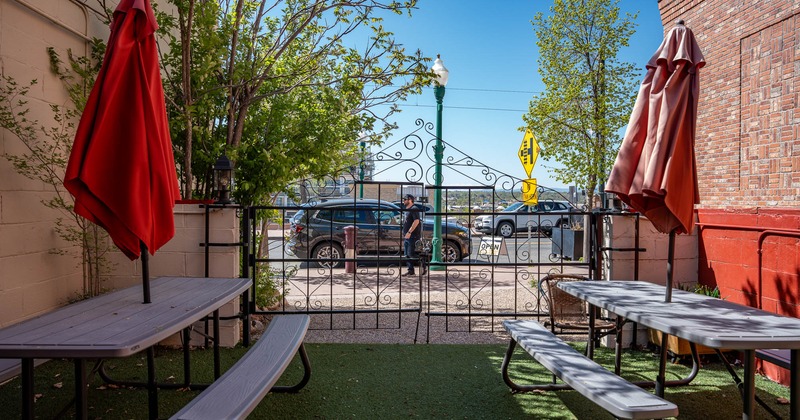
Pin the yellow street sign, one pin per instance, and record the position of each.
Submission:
(528, 152)
(530, 194)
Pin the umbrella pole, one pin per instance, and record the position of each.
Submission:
(145, 272)
(670, 262)
(661, 379)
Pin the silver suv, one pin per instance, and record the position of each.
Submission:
(520, 217)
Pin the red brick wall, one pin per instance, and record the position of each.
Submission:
(748, 151)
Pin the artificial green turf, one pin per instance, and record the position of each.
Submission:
(392, 381)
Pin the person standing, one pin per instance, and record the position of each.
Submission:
(412, 232)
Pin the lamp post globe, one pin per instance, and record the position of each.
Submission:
(442, 74)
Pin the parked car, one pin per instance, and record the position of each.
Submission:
(519, 217)
(317, 231)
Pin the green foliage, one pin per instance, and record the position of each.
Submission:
(278, 87)
(588, 94)
(268, 292)
(48, 149)
(701, 289)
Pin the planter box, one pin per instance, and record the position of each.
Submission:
(568, 243)
(677, 346)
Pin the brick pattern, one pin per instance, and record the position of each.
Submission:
(769, 91)
(748, 149)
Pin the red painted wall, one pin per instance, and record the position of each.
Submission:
(731, 242)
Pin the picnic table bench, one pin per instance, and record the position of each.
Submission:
(611, 392)
(112, 325)
(704, 320)
(236, 393)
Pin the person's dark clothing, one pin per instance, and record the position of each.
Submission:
(411, 215)
(409, 244)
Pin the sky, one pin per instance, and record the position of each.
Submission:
(489, 47)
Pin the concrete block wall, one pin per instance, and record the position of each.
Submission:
(619, 231)
(183, 256)
(33, 278)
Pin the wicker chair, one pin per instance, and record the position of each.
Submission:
(568, 313)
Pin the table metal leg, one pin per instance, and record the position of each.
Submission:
(217, 369)
(794, 385)
(187, 363)
(618, 346)
(662, 366)
(152, 386)
(749, 392)
(27, 389)
(590, 343)
(81, 391)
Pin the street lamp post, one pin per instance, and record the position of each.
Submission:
(361, 171)
(438, 152)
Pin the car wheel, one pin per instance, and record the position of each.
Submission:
(451, 252)
(505, 229)
(328, 250)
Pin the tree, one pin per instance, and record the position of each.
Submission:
(588, 93)
(275, 85)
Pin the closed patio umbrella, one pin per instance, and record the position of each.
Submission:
(655, 172)
(121, 170)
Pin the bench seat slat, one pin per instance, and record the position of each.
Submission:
(615, 394)
(779, 357)
(11, 368)
(237, 392)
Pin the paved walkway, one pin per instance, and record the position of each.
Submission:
(459, 293)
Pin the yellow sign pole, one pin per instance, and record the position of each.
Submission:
(530, 194)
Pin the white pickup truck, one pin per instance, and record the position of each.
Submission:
(520, 217)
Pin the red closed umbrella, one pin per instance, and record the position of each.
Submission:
(121, 170)
(655, 170)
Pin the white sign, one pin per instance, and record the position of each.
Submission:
(492, 245)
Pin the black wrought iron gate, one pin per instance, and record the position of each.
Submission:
(493, 257)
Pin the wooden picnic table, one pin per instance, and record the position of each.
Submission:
(115, 324)
(700, 319)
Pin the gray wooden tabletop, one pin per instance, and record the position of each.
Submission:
(118, 324)
(705, 320)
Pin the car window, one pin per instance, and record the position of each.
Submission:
(345, 215)
(546, 206)
(387, 217)
(513, 207)
(560, 206)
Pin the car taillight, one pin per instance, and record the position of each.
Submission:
(298, 228)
